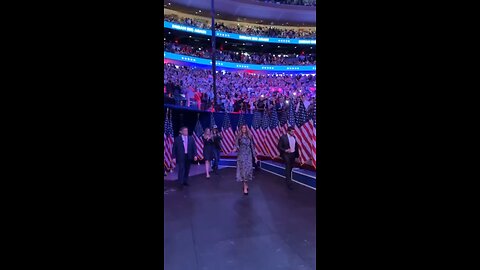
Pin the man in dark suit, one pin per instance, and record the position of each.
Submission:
(184, 152)
(217, 139)
(288, 147)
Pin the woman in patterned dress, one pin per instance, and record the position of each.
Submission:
(244, 144)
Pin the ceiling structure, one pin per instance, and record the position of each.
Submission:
(249, 11)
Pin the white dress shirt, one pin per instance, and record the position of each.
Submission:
(291, 141)
(185, 142)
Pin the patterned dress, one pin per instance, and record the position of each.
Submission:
(244, 159)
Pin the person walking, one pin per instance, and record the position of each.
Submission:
(288, 147)
(245, 148)
(183, 153)
(208, 150)
(217, 140)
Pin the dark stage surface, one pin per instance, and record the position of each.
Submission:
(212, 225)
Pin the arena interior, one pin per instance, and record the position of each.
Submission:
(258, 70)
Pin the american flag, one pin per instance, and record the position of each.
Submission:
(267, 142)
(168, 142)
(283, 118)
(314, 143)
(255, 130)
(273, 134)
(241, 122)
(197, 133)
(291, 114)
(228, 137)
(304, 134)
(212, 120)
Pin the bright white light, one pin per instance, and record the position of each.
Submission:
(286, 101)
(294, 93)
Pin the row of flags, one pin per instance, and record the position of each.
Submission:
(265, 129)
(168, 142)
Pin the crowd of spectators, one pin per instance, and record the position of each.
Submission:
(292, 2)
(237, 91)
(243, 57)
(246, 29)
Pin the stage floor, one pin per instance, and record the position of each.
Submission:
(212, 225)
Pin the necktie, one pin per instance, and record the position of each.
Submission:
(185, 143)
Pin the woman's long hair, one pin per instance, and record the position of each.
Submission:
(240, 133)
(205, 133)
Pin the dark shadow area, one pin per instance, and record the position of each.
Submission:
(212, 225)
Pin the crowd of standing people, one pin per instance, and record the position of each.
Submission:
(292, 2)
(242, 28)
(243, 57)
(237, 91)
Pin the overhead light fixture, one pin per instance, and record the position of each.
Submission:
(169, 4)
(199, 11)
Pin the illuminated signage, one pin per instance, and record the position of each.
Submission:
(203, 61)
(190, 29)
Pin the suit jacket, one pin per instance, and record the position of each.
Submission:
(178, 150)
(284, 144)
(217, 141)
